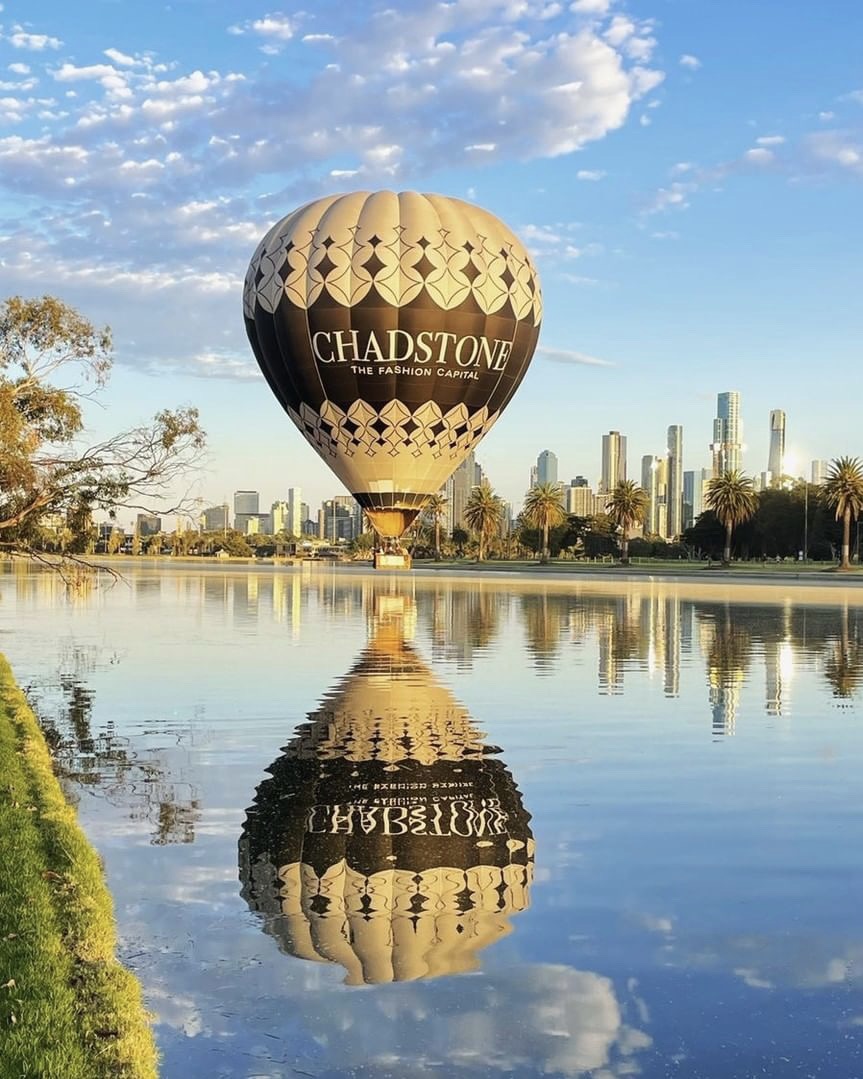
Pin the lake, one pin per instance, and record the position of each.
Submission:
(379, 826)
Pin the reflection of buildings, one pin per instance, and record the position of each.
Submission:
(388, 839)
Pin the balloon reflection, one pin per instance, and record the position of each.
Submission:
(388, 839)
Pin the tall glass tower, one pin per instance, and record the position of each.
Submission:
(776, 457)
(727, 447)
(674, 497)
(613, 461)
(546, 467)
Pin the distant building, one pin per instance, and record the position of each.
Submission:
(674, 497)
(582, 501)
(694, 495)
(820, 471)
(147, 524)
(296, 514)
(339, 519)
(654, 480)
(458, 489)
(579, 481)
(246, 506)
(613, 461)
(727, 445)
(776, 455)
(215, 518)
(279, 516)
(258, 524)
(546, 467)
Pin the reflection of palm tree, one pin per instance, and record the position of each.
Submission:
(627, 507)
(843, 667)
(844, 490)
(543, 509)
(483, 514)
(542, 625)
(732, 498)
(728, 656)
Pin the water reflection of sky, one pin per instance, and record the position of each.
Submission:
(690, 767)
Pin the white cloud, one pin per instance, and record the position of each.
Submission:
(836, 148)
(689, 61)
(770, 140)
(276, 28)
(825, 116)
(22, 39)
(19, 69)
(590, 174)
(569, 356)
(759, 155)
(590, 7)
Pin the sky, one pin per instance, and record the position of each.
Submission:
(688, 175)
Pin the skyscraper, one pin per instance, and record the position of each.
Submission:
(546, 467)
(295, 520)
(674, 497)
(613, 461)
(458, 489)
(776, 456)
(654, 480)
(820, 471)
(726, 446)
(246, 506)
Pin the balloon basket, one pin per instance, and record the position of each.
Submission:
(392, 560)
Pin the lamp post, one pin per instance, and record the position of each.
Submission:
(805, 521)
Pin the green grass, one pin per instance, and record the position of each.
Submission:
(68, 1009)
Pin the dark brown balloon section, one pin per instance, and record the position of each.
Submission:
(394, 329)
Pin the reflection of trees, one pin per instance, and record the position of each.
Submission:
(843, 666)
(103, 762)
(728, 652)
(462, 621)
(543, 617)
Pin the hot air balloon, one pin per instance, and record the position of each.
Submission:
(388, 838)
(393, 329)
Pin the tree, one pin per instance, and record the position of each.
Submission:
(52, 359)
(434, 511)
(627, 507)
(483, 514)
(544, 509)
(843, 490)
(459, 538)
(732, 498)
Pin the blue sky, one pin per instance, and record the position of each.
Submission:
(688, 174)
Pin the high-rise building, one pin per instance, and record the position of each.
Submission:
(215, 518)
(296, 517)
(694, 493)
(613, 461)
(546, 467)
(654, 480)
(674, 497)
(579, 481)
(279, 517)
(339, 519)
(458, 489)
(820, 471)
(246, 506)
(147, 524)
(727, 444)
(582, 501)
(776, 456)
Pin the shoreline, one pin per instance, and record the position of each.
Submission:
(67, 1006)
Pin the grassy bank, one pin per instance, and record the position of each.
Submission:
(68, 1009)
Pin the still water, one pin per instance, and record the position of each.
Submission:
(370, 826)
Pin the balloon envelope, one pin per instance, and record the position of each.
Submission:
(393, 328)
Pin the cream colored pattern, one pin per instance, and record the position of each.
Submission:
(403, 244)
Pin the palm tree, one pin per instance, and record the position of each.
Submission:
(483, 514)
(434, 510)
(732, 498)
(844, 490)
(543, 508)
(627, 507)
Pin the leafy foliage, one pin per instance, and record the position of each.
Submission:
(843, 492)
(44, 471)
(544, 509)
(483, 515)
(627, 507)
